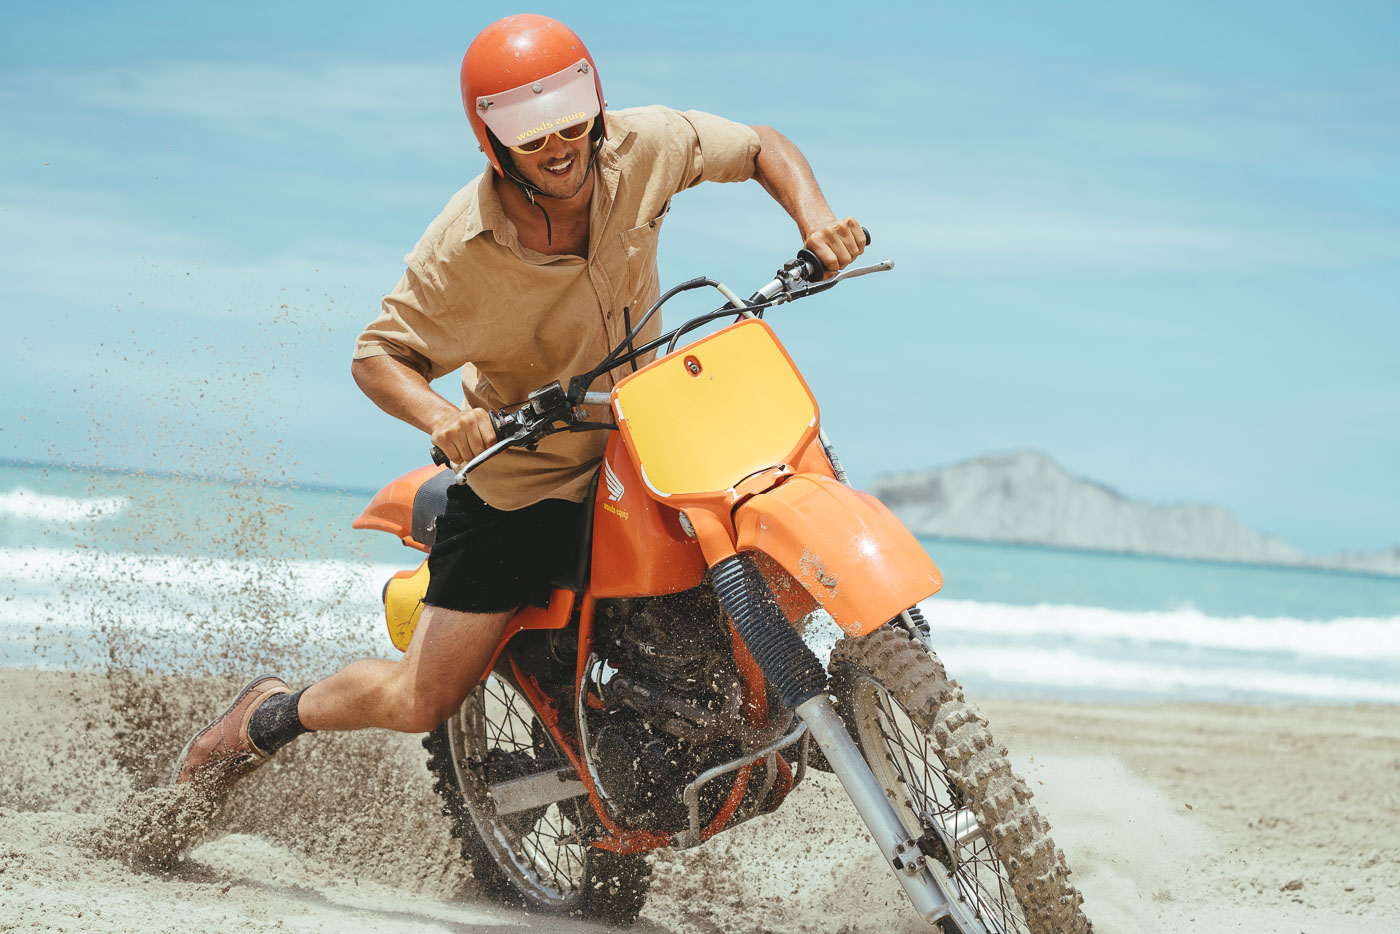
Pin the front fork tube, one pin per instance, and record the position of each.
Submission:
(790, 665)
(901, 852)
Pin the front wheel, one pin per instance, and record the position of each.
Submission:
(952, 785)
(538, 856)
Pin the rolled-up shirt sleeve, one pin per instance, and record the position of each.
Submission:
(721, 151)
(412, 326)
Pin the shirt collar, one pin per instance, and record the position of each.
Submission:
(484, 211)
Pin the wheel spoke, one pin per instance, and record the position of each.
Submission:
(913, 763)
(545, 850)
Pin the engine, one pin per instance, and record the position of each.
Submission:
(671, 703)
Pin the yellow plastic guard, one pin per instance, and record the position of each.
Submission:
(403, 604)
(710, 414)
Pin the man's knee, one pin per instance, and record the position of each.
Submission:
(419, 709)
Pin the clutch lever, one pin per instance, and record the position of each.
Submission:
(483, 457)
(500, 445)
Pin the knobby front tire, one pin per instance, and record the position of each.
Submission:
(952, 785)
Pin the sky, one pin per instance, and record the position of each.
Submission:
(1159, 242)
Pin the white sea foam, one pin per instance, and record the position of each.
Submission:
(312, 580)
(1072, 671)
(49, 599)
(1344, 638)
(21, 503)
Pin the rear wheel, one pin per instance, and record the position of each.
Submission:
(952, 785)
(537, 856)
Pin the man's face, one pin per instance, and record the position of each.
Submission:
(559, 169)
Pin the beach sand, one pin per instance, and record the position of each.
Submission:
(1173, 818)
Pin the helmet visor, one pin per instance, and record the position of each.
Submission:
(533, 111)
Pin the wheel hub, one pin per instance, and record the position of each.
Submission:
(936, 844)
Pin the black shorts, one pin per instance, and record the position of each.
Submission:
(488, 560)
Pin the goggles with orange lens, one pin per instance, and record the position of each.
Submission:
(571, 133)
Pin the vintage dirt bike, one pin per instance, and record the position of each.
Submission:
(669, 690)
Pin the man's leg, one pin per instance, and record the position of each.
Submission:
(445, 659)
(482, 558)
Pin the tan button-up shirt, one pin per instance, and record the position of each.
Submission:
(513, 319)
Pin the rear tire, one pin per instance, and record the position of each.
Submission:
(536, 858)
(952, 785)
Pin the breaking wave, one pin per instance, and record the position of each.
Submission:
(42, 507)
(1344, 638)
(1091, 652)
(62, 607)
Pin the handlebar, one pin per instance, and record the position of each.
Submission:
(551, 405)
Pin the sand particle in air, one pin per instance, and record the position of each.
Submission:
(152, 829)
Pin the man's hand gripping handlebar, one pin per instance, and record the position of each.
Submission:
(547, 411)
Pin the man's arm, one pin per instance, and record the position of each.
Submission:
(404, 393)
(784, 173)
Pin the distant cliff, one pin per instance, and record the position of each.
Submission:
(1027, 497)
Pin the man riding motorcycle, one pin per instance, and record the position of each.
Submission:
(531, 273)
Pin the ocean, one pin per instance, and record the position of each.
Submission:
(106, 570)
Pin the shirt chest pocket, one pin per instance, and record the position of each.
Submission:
(640, 244)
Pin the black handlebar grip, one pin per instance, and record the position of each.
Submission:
(439, 458)
(811, 266)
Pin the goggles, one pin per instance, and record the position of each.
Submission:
(572, 133)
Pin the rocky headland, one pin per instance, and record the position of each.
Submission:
(1026, 497)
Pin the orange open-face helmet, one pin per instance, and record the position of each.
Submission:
(526, 76)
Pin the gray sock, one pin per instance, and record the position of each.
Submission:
(276, 723)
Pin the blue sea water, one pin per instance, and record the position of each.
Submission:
(1028, 574)
(95, 564)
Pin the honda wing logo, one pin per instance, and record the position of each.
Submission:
(615, 487)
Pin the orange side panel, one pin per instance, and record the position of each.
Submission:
(554, 616)
(391, 510)
(639, 547)
(844, 546)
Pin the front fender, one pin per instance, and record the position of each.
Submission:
(844, 546)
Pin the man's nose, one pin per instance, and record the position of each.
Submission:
(555, 148)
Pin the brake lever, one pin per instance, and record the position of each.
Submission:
(884, 265)
(800, 288)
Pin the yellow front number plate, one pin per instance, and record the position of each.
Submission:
(712, 413)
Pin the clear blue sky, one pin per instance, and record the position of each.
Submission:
(1160, 242)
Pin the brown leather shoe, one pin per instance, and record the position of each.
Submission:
(222, 753)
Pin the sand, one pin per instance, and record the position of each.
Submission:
(1173, 817)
